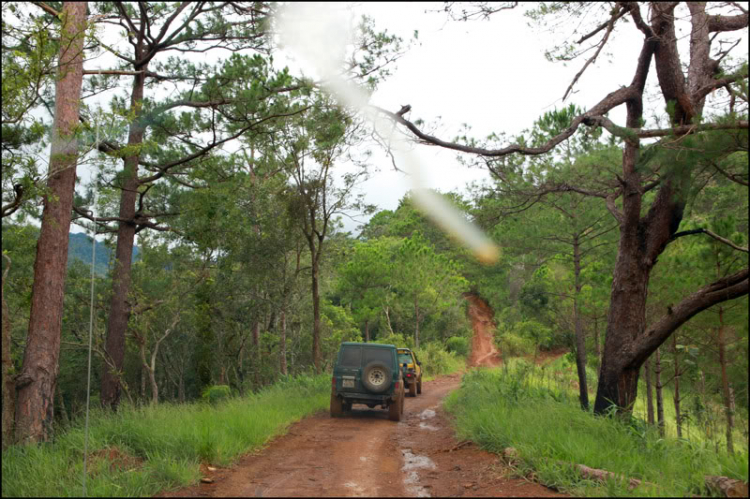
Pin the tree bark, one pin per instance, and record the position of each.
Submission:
(9, 384)
(119, 310)
(580, 337)
(659, 397)
(37, 381)
(367, 331)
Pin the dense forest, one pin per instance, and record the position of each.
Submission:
(217, 187)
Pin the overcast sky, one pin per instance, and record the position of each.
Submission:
(492, 75)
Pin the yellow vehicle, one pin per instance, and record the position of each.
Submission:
(413, 375)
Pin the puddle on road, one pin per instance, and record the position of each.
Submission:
(425, 426)
(427, 414)
(414, 462)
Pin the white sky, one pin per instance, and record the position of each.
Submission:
(493, 75)
(490, 74)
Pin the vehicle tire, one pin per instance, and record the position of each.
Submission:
(413, 389)
(419, 385)
(376, 376)
(337, 408)
(396, 408)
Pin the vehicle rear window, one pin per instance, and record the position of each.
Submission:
(405, 357)
(350, 356)
(381, 354)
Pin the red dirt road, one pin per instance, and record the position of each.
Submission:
(366, 455)
(483, 351)
(363, 454)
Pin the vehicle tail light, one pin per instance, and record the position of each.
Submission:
(396, 386)
(408, 375)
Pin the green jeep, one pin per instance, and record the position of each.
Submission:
(369, 374)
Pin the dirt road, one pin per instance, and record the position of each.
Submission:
(366, 455)
(483, 351)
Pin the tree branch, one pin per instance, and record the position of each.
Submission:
(13, 206)
(611, 101)
(732, 177)
(725, 289)
(46, 8)
(690, 129)
(727, 23)
(619, 12)
(711, 234)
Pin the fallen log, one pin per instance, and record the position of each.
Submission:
(603, 476)
(729, 487)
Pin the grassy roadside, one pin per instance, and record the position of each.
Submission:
(139, 452)
(517, 406)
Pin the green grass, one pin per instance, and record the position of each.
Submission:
(158, 447)
(537, 412)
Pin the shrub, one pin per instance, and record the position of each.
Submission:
(513, 345)
(458, 345)
(216, 393)
(436, 361)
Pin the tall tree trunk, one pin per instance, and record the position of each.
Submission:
(154, 387)
(659, 398)
(36, 384)
(119, 310)
(9, 384)
(388, 319)
(618, 381)
(728, 410)
(580, 337)
(649, 393)
(367, 331)
(678, 414)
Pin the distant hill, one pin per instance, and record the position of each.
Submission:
(80, 248)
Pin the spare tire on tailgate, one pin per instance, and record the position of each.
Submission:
(376, 376)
